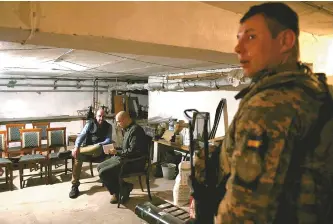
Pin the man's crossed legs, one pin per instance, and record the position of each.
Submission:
(87, 153)
(109, 175)
(108, 171)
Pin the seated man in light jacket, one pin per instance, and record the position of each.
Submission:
(96, 133)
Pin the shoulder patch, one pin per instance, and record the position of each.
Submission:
(254, 143)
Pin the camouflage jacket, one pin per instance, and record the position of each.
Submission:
(272, 117)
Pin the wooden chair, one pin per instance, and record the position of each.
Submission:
(56, 138)
(4, 162)
(43, 126)
(144, 172)
(13, 135)
(30, 144)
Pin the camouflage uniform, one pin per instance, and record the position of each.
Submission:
(272, 118)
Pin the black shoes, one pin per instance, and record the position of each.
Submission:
(127, 188)
(74, 193)
(65, 155)
(114, 199)
(126, 192)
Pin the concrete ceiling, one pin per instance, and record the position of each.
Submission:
(18, 60)
(314, 17)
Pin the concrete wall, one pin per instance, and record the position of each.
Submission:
(317, 50)
(17, 105)
(30, 104)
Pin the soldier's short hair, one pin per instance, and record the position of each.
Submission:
(277, 12)
(279, 17)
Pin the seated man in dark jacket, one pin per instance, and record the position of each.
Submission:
(134, 145)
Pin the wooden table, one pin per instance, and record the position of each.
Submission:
(156, 157)
(180, 147)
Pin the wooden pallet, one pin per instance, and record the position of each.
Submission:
(174, 211)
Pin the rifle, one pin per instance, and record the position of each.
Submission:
(204, 182)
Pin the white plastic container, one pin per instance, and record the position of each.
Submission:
(181, 190)
(169, 170)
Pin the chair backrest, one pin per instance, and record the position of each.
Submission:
(3, 144)
(142, 164)
(43, 126)
(31, 139)
(150, 151)
(56, 137)
(150, 148)
(13, 132)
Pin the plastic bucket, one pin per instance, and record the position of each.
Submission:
(169, 170)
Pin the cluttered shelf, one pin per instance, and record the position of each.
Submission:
(184, 147)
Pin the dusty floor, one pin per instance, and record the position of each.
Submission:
(39, 203)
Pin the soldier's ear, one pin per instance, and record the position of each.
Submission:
(287, 40)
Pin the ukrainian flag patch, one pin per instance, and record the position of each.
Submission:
(254, 143)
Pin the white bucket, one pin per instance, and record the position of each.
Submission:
(169, 170)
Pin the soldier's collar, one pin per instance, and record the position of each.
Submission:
(269, 72)
(277, 69)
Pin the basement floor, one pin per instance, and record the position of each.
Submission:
(39, 203)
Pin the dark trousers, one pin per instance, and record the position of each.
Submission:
(109, 172)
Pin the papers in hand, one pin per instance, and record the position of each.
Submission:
(108, 149)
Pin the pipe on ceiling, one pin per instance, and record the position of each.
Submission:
(95, 94)
(49, 85)
(160, 86)
(155, 86)
(144, 92)
(47, 90)
(231, 78)
(55, 78)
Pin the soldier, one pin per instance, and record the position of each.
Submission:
(276, 116)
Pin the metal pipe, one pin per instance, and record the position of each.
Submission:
(48, 90)
(54, 78)
(109, 102)
(50, 85)
(94, 95)
(96, 92)
(233, 79)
